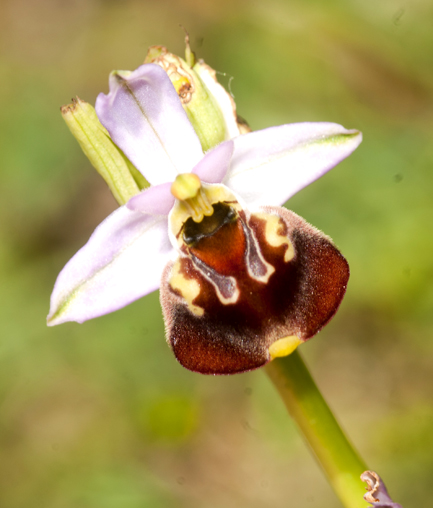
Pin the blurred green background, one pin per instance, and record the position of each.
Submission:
(100, 415)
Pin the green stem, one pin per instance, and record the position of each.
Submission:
(337, 457)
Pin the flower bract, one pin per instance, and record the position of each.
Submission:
(242, 280)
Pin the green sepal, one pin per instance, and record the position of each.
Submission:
(123, 179)
(204, 114)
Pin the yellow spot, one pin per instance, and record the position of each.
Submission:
(188, 288)
(180, 82)
(284, 346)
(274, 239)
(184, 88)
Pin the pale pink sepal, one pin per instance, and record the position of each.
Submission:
(216, 163)
(122, 261)
(271, 165)
(157, 200)
(145, 118)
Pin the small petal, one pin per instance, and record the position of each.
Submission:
(145, 118)
(215, 164)
(157, 200)
(122, 261)
(271, 165)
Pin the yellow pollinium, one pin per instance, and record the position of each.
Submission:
(187, 188)
(284, 346)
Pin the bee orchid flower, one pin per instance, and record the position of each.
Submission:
(241, 279)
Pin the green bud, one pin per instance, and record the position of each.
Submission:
(235, 125)
(123, 179)
(210, 109)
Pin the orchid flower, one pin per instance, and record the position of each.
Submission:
(241, 279)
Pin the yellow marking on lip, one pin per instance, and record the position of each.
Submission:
(273, 238)
(284, 346)
(188, 288)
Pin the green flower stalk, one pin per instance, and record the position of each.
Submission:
(331, 448)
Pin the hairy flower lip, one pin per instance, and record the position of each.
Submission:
(124, 258)
(290, 283)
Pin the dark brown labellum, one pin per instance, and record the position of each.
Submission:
(243, 282)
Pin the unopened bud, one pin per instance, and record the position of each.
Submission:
(210, 109)
(123, 179)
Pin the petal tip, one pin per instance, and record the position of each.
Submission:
(58, 316)
(53, 319)
(355, 134)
